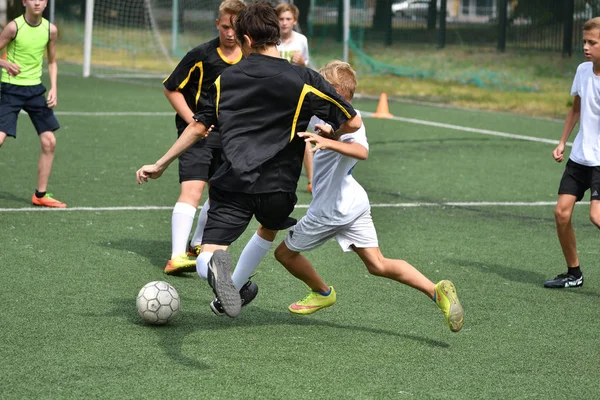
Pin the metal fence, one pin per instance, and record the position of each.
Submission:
(552, 25)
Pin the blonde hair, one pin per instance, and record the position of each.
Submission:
(341, 76)
(591, 24)
(283, 7)
(231, 7)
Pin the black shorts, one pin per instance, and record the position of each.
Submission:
(14, 98)
(231, 212)
(199, 162)
(578, 178)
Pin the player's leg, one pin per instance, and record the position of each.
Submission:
(46, 124)
(182, 222)
(255, 250)
(228, 217)
(575, 181)
(216, 160)
(306, 235)
(2, 138)
(194, 167)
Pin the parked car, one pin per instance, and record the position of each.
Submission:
(412, 8)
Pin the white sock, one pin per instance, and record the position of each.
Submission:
(202, 264)
(251, 256)
(197, 238)
(182, 221)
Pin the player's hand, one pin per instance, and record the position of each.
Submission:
(298, 59)
(52, 99)
(151, 171)
(325, 130)
(559, 153)
(319, 142)
(309, 187)
(12, 69)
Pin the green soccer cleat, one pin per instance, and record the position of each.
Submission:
(447, 300)
(313, 302)
(179, 264)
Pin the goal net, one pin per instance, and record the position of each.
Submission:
(141, 38)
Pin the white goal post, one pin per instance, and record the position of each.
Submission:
(126, 31)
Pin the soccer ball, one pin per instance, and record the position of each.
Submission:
(157, 302)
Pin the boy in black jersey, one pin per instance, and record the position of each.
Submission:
(187, 91)
(257, 105)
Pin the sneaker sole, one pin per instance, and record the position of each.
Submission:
(306, 311)
(223, 287)
(178, 270)
(215, 311)
(456, 315)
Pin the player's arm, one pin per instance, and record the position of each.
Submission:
(192, 133)
(52, 99)
(8, 34)
(177, 101)
(570, 122)
(350, 149)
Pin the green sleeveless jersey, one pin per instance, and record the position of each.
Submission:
(27, 51)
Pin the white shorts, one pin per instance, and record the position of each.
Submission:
(310, 233)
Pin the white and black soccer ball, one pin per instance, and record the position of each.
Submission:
(157, 302)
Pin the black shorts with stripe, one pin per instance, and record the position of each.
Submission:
(231, 212)
(199, 162)
(578, 178)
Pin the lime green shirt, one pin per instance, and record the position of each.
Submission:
(27, 51)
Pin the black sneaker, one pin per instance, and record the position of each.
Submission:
(564, 281)
(247, 293)
(219, 279)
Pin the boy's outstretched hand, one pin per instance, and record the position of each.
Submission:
(151, 171)
(559, 153)
(318, 141)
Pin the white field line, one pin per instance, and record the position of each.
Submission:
(380, 205)
(364, 113)
(467, 129)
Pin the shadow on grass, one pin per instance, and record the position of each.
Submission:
(11, 197)
(518, 275)
(173, 334)
(157, 252)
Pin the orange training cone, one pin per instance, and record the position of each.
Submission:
(383, 110)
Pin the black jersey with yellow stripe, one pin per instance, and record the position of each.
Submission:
(194, 75)
(258, 106)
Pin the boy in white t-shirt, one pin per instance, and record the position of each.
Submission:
(294, 45)
(340, 209)
(582, 171)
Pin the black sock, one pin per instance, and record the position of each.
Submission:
(39, 195)
(575, 271)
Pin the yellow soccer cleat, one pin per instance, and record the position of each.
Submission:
(313, 302)
(179, 264)
(447, 300)
(194, 251)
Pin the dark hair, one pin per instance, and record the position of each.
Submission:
(260, 22)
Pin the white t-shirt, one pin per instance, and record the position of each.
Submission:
(297, 43)
(586, 147)
(338, 198)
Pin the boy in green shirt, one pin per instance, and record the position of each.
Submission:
(25, 39)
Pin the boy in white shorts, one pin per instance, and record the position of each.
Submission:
(340, 209)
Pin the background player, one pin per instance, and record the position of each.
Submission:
(187, 90)
(27, 37)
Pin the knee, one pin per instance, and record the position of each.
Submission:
(562, 215)
(283, 254)
(48, 141)
(595, 218)
(376, 267)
